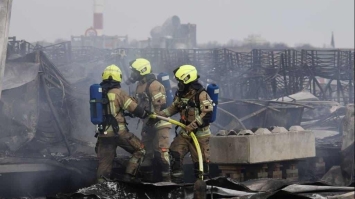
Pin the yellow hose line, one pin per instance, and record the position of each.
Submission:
(194, 139)
(199, 154)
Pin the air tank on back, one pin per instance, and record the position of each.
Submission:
(96, 104)
(164, 79)
(213, 92)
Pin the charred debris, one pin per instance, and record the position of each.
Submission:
(287, 116)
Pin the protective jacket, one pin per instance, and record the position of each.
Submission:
(193, 106)
(120, 101)
(151, 95)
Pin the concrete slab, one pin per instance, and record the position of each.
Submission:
(262, 131)
(262, 148)
(232, 132)
(245, 132)
(320, 134)
(279, 129)
(296, 128)
(222, 133)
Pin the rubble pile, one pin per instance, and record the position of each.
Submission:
(220, 187)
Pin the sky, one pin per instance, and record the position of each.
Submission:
(290, 21)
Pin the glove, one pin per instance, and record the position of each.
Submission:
(151, 122)
(146, 114)
(134, 99)
(191, 127)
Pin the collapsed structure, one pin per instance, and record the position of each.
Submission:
(45, 134)
(5, 13)
(258, 74)
(307, 88)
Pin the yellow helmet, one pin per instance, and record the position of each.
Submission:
(186, 73)
(113, 72)
(142, 66)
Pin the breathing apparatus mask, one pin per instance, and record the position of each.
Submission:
(135, 76)
(182, 87)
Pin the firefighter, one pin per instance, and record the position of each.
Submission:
(195, 108)
(151, 95)
(115, 132)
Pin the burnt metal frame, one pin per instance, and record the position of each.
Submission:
(258, 74)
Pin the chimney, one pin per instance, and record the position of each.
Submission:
(98, 16)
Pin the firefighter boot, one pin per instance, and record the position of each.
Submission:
(166, 176)
(177, 173)
(148, 176)
(205, 170)
(130, 178)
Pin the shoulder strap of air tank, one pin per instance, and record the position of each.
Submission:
(197, 97)
(149, 82)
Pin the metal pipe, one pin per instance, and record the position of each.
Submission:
(233, 116)
(248, 102)
(252, 114)
(291, 103)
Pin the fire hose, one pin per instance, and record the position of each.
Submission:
(200, 185)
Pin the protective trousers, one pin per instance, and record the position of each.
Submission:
(157, 160)
(181, 145)
(107, 150)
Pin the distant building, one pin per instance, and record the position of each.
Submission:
(172, 34)
(106, 42)
(254, 40)
(94, 36)
(332, 41)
